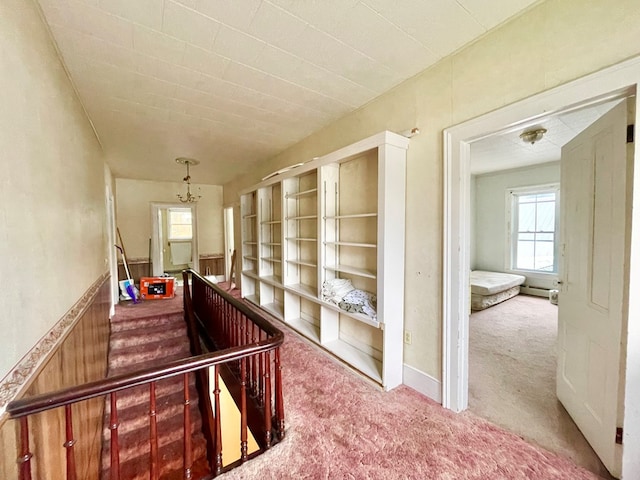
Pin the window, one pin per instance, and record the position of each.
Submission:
(533, 233)
(179, 224)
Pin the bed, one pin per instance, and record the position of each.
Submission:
(490, 288)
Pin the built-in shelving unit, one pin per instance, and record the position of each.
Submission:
(340, 216)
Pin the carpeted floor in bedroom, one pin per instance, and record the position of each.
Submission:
(512, 376)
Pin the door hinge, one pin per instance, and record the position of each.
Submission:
(631, 133)
(619, 435)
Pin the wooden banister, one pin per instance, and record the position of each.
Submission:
(245, 361)
(60, 398)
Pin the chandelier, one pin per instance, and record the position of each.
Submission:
(189, 197)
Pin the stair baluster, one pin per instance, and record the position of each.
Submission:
(267, 399)
(218, 428)
(279, 396)
(25, 455)
(69, 443)
(243, 409)
(153, 433)
(188, 460)
(115, 449)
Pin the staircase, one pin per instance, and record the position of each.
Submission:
(142, 336)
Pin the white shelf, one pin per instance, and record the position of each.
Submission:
(304, 193)
(303, 217)
(303, 263)
(276, 309)
(361, 272)
(352, 244)
(361, 317)
(249, 257)
(271, 259)
(359, 360)
(250, 273)
(323, 220)
(253, 299)
(305, 328)
(274, 280)
(355, 215)
(306, 291)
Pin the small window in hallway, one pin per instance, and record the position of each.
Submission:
(179, 224)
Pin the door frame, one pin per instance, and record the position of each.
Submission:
(229, 239)
(613, 82)
(156, 250)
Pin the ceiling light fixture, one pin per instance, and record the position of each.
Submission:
(189, 197)
(532, 136)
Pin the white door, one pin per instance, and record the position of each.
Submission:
(591, 313)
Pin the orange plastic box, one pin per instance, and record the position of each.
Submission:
(152, 288)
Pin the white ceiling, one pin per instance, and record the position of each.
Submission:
(507, 150)
(234, 82)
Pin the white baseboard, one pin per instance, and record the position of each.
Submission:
(423, 383)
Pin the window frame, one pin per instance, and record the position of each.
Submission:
(512, 195)
(170, 237)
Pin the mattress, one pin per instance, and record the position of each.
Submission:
(490, 283)
(480, 302)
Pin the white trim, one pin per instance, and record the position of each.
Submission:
(422, 382)
(617, 81)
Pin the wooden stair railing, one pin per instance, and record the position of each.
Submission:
(252, 345)
(221, 322)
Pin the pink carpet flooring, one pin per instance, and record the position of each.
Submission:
(341, 427)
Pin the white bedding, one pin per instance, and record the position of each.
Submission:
(489, 283)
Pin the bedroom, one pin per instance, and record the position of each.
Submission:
(512, 345)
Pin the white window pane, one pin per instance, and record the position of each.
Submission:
(525, 259)
(180, 216)
(527, 217)
(544, 256)
(180, 232)
(546, 217)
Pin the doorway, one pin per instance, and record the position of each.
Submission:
(515, 229)
(594, 89)
(174, 245)
(229, 242)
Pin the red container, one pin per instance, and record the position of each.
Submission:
(152, 288)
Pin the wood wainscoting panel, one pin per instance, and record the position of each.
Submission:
(79, 357)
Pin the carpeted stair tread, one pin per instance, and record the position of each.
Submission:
(140, 394)
(136, 415)
(145, 336)
(141, 336)
(170, 462)
(151, 321)
(136, 442)
(161, 351)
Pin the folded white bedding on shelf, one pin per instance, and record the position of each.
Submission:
(342, 293)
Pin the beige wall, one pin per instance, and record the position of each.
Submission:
(554, 42)
(52, 188)
(133, 213)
